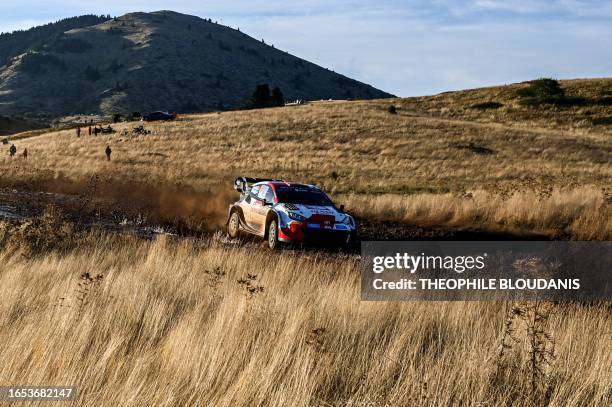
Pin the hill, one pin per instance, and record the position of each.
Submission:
(438, 160)
(19, 42)
(149, 61)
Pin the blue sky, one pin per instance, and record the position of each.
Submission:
(403, 47)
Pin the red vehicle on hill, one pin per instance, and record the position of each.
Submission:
(280, 211)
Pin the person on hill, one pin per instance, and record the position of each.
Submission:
(108, 152)
(25, 153)
(90, 130)
(78, 132)
(12, 150)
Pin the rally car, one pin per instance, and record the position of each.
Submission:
(280, 211)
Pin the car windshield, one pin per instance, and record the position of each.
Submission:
(302, 196)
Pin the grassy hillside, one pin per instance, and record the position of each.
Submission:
(437, 160)
(159, 61)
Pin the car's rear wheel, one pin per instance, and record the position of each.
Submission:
(273, 235)
(233, 226)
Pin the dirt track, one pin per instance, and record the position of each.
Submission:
(130, 218)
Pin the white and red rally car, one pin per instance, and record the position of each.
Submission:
(280, 211)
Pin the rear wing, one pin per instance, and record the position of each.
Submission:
(243, 184)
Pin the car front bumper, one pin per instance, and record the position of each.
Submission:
(297, 232)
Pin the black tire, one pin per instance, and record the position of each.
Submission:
(233, 226)
(273, 242)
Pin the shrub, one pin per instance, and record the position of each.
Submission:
(392, 109)
(487, 105)
(603, 101)
(601, 120)
(542, 91)
(542, 88)
(475, 148)
(51, 231)
(277, 97)
(263, 98)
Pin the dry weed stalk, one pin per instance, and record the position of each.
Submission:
(527, 323)
(88, 287)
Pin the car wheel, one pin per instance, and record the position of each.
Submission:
(273, 235)
(233, 226)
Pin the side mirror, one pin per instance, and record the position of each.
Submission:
(239, 185)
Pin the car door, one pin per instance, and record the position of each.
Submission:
(260, 210)
(250, 206)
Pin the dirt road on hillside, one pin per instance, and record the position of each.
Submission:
(144, 221)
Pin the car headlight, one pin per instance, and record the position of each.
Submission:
(296, 216)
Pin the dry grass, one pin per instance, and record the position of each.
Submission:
(163, 323)
(136, 323)
(433, 145)
(584, 213)
(360, 143)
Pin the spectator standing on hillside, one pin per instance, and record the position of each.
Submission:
(25, 153)
(108, 153)
(12, 150)
(78, 131)
(90, 130)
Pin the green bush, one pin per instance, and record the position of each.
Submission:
(263, 98)
(542, 88)
(487, 105)
(546, 91)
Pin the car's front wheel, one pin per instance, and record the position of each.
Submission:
(233, 226)
(273, 235)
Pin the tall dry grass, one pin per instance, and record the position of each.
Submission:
(346, 147)
(168, 323)
(360, 149)
(583, 213)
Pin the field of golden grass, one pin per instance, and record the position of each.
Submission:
(167, 323)
(132, 322)
(435, 150)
